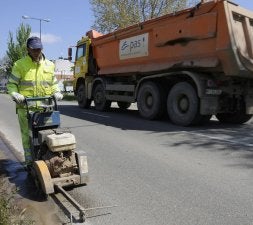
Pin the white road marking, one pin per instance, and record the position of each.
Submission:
(94, 114)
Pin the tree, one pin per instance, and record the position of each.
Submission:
(17, 49)
(111, 15)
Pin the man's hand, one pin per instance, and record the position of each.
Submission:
(58, 96)
(18, 98)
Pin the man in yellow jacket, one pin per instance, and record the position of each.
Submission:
(32, 76)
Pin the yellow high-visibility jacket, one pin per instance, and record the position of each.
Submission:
(33, 79)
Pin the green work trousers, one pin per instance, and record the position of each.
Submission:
(23, 123)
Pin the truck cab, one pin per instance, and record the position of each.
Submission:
(81, 58)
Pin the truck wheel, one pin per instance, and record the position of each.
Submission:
(150, 101)
(183, 105)
(124, 105)
(101, 104)
(233, 118)
(83, 101)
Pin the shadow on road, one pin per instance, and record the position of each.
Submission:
(212, 136)
(131, 120)
(125, 119)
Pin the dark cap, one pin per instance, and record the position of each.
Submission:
(34, 43)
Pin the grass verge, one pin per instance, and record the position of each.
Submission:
(69, 97)
(11, 213)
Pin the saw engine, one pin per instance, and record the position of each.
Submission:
(58, 152)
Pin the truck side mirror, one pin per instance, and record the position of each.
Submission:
(69, 54)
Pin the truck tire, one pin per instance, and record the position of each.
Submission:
(233, 118)
(82, 100)
(183, 105)
(123, 105)
(101, 104)
(150, 101)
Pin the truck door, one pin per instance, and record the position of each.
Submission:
(81, 61)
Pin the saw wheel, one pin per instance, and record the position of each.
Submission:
(44, 177)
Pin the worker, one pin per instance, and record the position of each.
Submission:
(32, 76)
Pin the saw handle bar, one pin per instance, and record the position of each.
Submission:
(34, 99)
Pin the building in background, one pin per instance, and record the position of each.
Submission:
(64, 74)
(3, 77)
(3, 82)
(63, 69)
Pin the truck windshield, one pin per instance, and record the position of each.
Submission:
(80, 51)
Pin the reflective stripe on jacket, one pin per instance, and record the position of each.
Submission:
(33, 79)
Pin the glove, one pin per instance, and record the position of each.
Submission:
(18, 98)
(58, 96)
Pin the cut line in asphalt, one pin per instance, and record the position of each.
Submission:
(95, 114)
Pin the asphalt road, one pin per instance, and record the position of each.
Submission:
(156, 173)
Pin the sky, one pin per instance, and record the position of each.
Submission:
(69, 21)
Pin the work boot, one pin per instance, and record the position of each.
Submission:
(31, 174)
(27, 166)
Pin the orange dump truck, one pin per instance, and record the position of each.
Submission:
(191, 64)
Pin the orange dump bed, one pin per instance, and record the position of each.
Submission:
(217, 36)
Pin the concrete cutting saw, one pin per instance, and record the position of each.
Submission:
(56, 164)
